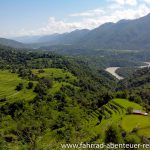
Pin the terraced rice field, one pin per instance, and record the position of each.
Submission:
(98, 121)
(125, 103)
(115, 112)
(141, 123)
(60, 77)
(55, 73)
(8, 83)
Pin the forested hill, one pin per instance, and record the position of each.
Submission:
(137, 79)
(138, 83)
(125, 34)
(11, 58)
(12, 43)
(66, 38)
(47, 96)
(47, 99)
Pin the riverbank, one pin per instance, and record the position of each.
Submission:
(112, 70)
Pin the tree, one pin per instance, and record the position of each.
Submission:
(30, 85)
(47, 82)
(113, 135)
(122, 94)
(135, 98)
(40, 89)
(19, 87)
(129, 110)
(41, 71)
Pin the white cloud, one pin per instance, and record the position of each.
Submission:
(89, 13)
(59, 26)
(147, 1)
(109, 15)
(88, 19)
(126, 2)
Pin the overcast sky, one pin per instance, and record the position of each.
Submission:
(41, 17)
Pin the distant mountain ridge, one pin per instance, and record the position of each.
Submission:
(11, 43)
(65, 38)
(27, 39)
(123, 35)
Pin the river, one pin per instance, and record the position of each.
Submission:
(112, 70)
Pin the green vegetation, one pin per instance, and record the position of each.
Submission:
(141, 123)
(137, 87)
(126, 71)
(126, 104)
(9, 82)
(47, 99)
(111, 115)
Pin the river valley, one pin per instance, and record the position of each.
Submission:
(112, 70)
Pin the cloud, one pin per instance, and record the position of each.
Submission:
(126, 2)
(59, 26)
(147, 1)
(88, 20)
(89, 13)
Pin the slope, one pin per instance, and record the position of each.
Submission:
(11, 43)
(125, 34)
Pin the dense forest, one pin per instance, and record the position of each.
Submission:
(138, 83)
(47, 99)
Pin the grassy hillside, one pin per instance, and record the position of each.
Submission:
(115, 112)
(62, 91)
(8, 83)
(125, 104)
(140, 123)
(60, 78)
(47, 100)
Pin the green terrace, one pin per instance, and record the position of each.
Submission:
(9, 81)
(116, 112)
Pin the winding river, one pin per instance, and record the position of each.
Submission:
(112, 70)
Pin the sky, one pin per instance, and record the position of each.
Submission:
(45, 17)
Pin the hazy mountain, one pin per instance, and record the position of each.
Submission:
(65, 39)
(54, 39)
(48, 38)
(12, 43)
(125, 34)
(27, 39)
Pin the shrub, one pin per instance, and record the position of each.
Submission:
(132, 139)
(129, 110)
(30, 85)
(41, 71)
(40, 89)
(47, 82)
(113, 135)
(19, 87)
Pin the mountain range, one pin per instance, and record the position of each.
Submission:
(125, 34)
(11, 43)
